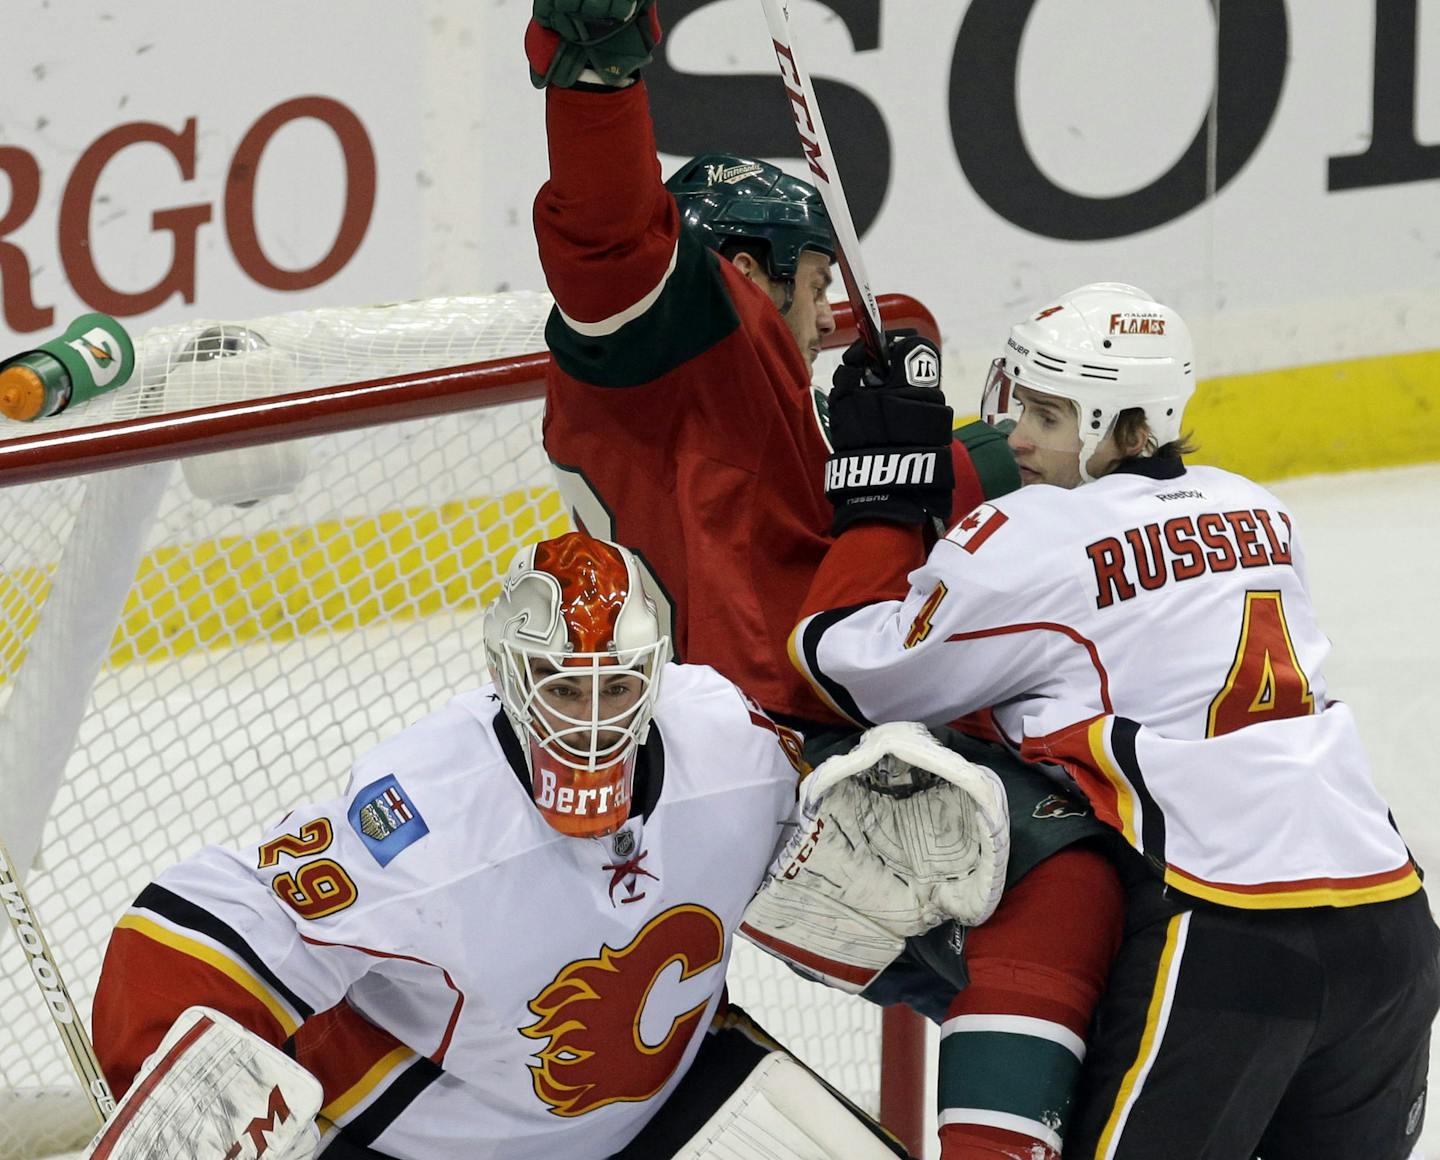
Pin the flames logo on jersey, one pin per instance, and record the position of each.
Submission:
(590, 1014)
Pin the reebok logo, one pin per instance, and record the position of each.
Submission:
(879, 469)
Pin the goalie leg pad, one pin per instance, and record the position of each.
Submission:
(893, 838)
(782, 1112)
(214, 1090)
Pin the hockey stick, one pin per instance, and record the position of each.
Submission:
(52, 986)
(818, 155)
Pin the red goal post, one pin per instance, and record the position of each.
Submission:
(326, 410)
(180, 664)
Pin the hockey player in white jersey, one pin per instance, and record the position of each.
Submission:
(1145, 628)
(506, 939)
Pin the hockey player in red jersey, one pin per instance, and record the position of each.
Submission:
(682, 422)
(679, 411)
(1145, 628)
(507, 938)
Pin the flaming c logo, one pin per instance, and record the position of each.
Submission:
(590, 1014)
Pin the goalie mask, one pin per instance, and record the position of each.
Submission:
(574, 646)
(1106, 347)
(727, 198)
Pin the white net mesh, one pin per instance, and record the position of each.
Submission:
(243, 655)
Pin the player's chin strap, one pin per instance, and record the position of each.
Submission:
(789, 284)
(213, 1089)
(893, 838)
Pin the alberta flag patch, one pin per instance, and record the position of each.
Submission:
(386, 820)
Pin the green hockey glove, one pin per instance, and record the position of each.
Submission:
(613, 39)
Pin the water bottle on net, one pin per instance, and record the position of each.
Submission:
(93, 356)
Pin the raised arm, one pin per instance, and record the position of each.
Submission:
(606, 226)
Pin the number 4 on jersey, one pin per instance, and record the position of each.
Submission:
(1265, 681)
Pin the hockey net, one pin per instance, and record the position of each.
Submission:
(180, 665)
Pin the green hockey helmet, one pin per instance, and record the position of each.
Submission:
(725, 198)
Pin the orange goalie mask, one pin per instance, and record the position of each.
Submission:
(574, 645)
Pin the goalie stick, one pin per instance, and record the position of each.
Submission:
(821, 160)
(52, 987)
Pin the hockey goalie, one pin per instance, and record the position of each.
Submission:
(470, 952)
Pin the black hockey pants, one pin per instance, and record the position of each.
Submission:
(1287, 1034)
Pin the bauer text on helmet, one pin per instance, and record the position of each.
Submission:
(575, 648)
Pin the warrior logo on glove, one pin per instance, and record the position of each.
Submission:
(603, 42)
(891, 430)
(922, 367)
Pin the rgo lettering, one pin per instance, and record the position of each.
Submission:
(17, 303)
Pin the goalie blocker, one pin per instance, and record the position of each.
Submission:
(893, 838)
(213, 1089)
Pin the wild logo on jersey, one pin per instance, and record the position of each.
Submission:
(591, 1015)
(1058, 806)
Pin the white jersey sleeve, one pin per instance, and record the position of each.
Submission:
(897, 660)
(321, 900)
(1154, 639)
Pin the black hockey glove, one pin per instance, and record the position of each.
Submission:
(891, 432)
(613, 38)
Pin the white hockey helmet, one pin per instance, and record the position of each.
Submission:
(1106, 347)
(575, 649)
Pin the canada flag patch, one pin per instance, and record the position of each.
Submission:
(972, 531)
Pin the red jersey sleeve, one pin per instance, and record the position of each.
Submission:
(605, 223)
(144, 986)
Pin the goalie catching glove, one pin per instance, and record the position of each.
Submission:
(212, 1090)
(891, 431)
(601, 42)
(894, 838)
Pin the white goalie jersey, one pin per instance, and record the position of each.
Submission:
(533, 995)
(1154, 638)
